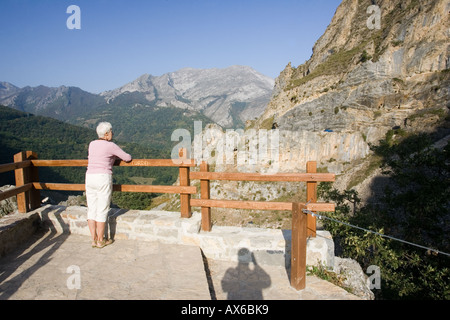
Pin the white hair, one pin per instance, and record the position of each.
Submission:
(103, 128)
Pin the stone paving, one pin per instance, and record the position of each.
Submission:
(244, 281)
(63, 266)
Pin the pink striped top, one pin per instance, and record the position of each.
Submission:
(102, 155)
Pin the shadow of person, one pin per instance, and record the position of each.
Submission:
(111, 223)
(244, 282)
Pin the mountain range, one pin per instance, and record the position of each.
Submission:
(62, 103)
(228, 96)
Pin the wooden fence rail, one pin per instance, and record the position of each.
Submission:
(310, 177)
(303, 225)
(28, 188)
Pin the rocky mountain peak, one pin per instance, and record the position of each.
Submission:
(228, 96)
(7, 89)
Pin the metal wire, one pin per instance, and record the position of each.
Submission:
(374, 232)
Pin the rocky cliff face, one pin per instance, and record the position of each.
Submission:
(228, 96)
(365, 77)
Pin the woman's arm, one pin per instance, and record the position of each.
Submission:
(119, 153)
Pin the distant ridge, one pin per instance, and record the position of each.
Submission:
(228, 96)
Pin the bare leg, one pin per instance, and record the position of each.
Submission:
(101, 242)
(93, 230)
(100, 230)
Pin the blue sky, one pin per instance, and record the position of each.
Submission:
(120, 40)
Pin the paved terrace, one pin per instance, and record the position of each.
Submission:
(156, 256)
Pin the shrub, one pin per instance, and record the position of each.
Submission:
(414, 208)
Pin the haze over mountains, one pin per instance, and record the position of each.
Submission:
(227, 96)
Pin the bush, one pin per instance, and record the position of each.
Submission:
(365, 57)
(414, 208)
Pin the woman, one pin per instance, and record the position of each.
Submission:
(101, 158)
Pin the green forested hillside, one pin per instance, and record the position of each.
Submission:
(53, 139)
(136, 120)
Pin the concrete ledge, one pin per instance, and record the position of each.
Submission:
(266, 246)
(15, 229)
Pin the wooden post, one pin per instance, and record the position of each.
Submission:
(311, 196)
(204, 194)
(298, 247)
(185, 199)
(28, 200)
(35, 195)
(21, 176)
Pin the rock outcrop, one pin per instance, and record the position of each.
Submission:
(364, 79)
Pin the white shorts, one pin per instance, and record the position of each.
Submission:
(98, 196)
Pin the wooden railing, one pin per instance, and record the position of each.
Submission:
(28, 188)
(303, 225)
(311, 177)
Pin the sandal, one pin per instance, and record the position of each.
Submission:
(104, 243)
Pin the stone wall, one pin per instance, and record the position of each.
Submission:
(15, 229)
(266, 246)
